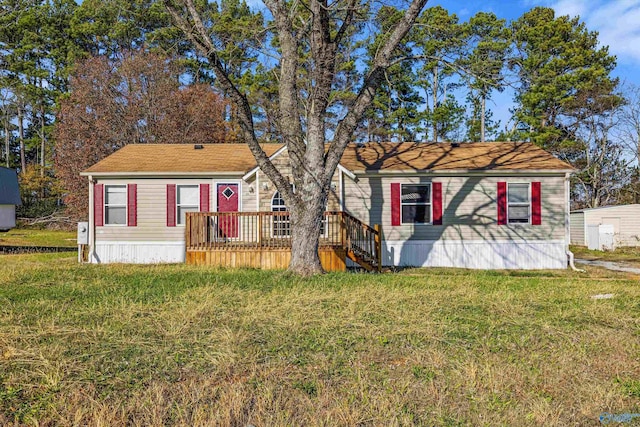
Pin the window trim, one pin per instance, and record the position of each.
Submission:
(323, 233)
(430, 204)
(529, 203)
(178, 205)
(284, 224)
(106, 205)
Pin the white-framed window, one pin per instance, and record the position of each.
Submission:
(281, 225)
(115, 205)
(187, 200)
(415, 203)
(518, 203)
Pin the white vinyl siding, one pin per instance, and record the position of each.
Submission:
(151, 211)
(624, 218)
(577, 229)
(469, 207)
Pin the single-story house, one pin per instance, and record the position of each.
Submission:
(500, 205)
(9, 198)
(622, 221)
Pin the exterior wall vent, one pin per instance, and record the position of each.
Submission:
(198, 147)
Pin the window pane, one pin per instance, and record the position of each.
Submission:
(518, 214)
(188, 195)
(116, 195)
(416, 214)
(115, 215)
(518, 193)
(281, 226)
(278, 201)
(182, 210)
(416, 193)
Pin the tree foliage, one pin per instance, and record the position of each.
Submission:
(305, 74)
(131, 101)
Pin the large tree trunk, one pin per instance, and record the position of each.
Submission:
(306, 222)
(312, 167)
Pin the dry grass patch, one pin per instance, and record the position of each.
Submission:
(183, 345)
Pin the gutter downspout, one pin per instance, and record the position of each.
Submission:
(92, 225)
(567, 226)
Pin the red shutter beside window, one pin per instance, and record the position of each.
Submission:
(536, 204)
(395, 204)
(502, 203)
(204, 197)
(436, 187)
(98, 204)
(132, 205)
(171, 205)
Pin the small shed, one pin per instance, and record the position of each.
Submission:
(9, 198)
(623, 219)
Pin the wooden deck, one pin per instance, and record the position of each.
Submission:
(263, 240)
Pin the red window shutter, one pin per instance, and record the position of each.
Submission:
(395, 204)
(536, 204)
(171, 205)
(436, 188)
(502, 203)
(204, 197)
(98, 204)
(132, 205)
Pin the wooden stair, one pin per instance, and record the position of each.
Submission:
(362, 243)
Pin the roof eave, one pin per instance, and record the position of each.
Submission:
(157, 174)
(465, 171)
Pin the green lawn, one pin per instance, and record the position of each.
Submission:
(183, 345)
(35, 237)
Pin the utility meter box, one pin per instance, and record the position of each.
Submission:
(83, 233)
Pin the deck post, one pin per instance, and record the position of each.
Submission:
(260, 225)
(187, 228)
(378, 241)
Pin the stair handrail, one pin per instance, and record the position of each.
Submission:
(362, 239)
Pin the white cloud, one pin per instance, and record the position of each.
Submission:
(615, 20)
(570, 7)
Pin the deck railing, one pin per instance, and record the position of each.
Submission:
(272, 230)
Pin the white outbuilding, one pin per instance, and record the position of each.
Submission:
(606, 227)
(9, 198)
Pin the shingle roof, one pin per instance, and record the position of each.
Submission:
(9, 189)
(388, 157)
(174, 158)
(445, 156)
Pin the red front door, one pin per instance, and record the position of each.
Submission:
(228, 202)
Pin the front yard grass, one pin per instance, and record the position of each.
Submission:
(37, 237)
(184, 345)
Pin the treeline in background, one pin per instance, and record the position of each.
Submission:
(79, 81)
